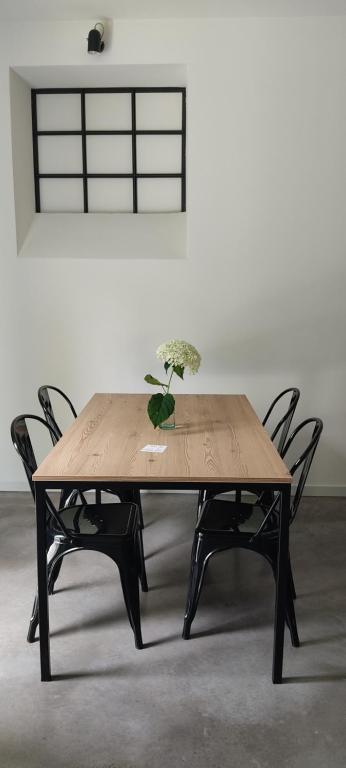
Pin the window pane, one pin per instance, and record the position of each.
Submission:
(61, 195)
(58, 111)
(110, 195)
(157, 195)
(159, 154)
(109, 154)
(60, 154)
(159, 111)
(108, 111)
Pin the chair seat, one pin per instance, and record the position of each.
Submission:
(219, 515)
(99, 520)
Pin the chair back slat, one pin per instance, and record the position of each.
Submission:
(46, 405)
(283, 425)
(305, 459)
(22, 443)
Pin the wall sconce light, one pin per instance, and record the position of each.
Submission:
(95, 42)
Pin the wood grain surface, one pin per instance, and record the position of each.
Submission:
(218, 439)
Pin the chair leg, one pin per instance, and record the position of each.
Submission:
(291, 581)
(98, 498)
(265, 500)
(138, 501)
(291, 619)
(64, 496)
(203, 496)
(33, 624)
(129, 583)
(53, 575)
(54, 562)
(200, 497)
(141, 562)
(199, 561)
(200, 502)
(290, 615)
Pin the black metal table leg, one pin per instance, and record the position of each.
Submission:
(42, 581)
(281, 585)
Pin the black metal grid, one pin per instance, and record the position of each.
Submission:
(133, 132)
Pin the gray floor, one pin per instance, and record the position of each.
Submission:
(205, 702)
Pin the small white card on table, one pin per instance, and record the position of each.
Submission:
(154, 448)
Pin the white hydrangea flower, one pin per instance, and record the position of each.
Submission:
(178, 352)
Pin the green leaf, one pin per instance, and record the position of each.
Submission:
(167, 365)
(160, 407)
(179, 370)
(151, 380)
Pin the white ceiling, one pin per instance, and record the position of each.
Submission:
(46, 10)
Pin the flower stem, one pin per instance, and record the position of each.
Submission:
(169, 383)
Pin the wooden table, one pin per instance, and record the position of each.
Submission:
(218, 440)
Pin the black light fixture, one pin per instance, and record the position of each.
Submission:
(95, 42)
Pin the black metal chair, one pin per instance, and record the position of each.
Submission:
(220, 528)
(278, 436)
(131, 495)
(113, 529)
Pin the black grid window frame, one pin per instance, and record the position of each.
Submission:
(83, 132)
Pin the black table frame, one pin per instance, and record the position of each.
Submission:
(41, 486)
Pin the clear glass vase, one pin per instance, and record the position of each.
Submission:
(169, 423)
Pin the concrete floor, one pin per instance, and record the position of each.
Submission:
(204, 702)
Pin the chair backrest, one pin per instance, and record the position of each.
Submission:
(23, 445)
(46, 404)
(282, 427)
(303, 463)
(305, 459)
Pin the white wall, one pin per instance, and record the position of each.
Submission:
(22, 156)
(261, 293)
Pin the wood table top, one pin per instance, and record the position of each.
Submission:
(218, 439)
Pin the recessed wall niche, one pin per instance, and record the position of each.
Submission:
(110, 145)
